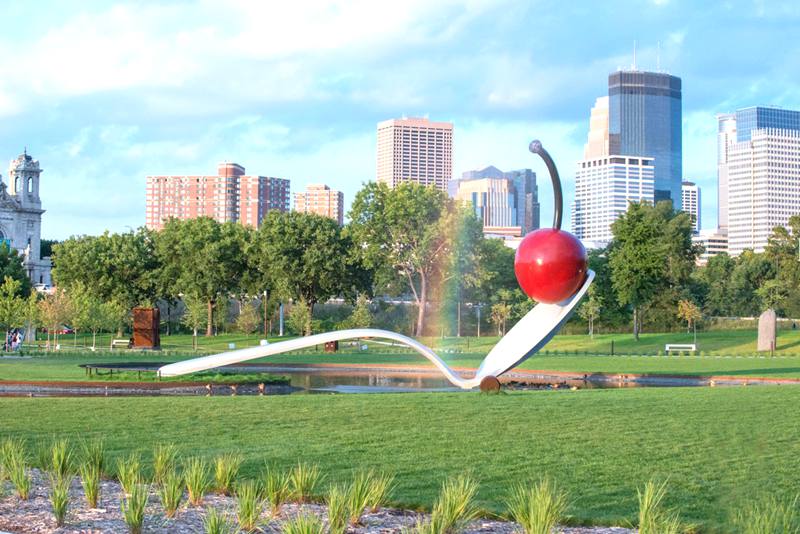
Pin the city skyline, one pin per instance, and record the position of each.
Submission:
(118, 93)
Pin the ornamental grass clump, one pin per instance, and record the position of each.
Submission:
(60, 458)
(304, 524)
(380, 486)
(90, 480)
(537, 508)
(654, 518)
(170, 492)
(454, 508)
(15, 465)
(129, 472)
(277, 489)
(357, 496)
(304, 479)
(226, 468)
(197, 479)
(133, 505)
(59, 496)
(165, 460)
(216, 522)
(93, 452)
(769, 516)
(249, 505)
(338, 515)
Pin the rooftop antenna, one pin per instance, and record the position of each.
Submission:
(634, 55)
(658, 57)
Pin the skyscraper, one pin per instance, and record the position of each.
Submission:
(322, 200)
(758, 172)
(605, 183)
(230, 195)
(415, 150)
(690, 201)
(501, 199)
(645, 120)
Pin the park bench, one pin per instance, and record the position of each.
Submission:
(124, 343)
(688, 347)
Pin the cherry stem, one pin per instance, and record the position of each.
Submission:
(537, 148)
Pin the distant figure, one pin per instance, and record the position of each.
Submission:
(794, 325)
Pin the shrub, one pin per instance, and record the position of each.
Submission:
(304, 479)
(165, 458)
(249, 505)
(338, 515)
(90, 480)
(226, 467)
(277, 490)
(59, 496)
(94, 453)
(197, 480)
(217, 523)
(304, 524)
(132, 505)
(769, 516)
(537, 508)
(170, 492)
(129, 472)
(653, 517)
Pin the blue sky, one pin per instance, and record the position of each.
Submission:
(104, 94)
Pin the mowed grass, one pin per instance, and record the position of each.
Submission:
(721, 353)
(718, 447)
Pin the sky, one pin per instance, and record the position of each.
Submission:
(104, 94)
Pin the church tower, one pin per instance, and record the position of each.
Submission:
(23, 178)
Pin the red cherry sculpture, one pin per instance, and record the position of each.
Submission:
(550, 264)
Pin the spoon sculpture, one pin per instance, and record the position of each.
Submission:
(551, 267)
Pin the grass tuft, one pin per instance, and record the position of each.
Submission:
(249, 505)
(226, 468)
(453, 509)
(59, 496)
(338, 515)
(94, 452)
(304, 523)
(357, 496)
(15, 465)
(654, 518)
(537, 508)
(277, 489)
(90, 480)
(216, 522)
(129, 472)
(769, 516)
(170, 492)
(165, 460)
(197, 478)
(380, 487)
(60, 458)
(304, 479)
(133, 505)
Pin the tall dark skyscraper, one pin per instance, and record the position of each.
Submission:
(645, 120)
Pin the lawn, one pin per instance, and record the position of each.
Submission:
(718, 447)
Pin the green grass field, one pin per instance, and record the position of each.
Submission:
(722, 353)
(718, 447)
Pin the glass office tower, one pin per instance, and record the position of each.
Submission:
(645, 120)
(749, 119)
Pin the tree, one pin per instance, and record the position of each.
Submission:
(12, 306)
(500, 314)
(11, 266)
(307, 257)
(248, 319)
(750, 273)
(773, 293)
(590, 308)
(689, 312)
(202, 258)
(121, 267)
(716, 279)
(299, 319)
(195, 315)
(400, 231)
(55, 309)
(361, 316)
(651, 253)
(90, 312)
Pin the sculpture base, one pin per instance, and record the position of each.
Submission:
(490, 384)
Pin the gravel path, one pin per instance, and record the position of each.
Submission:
(34, 515)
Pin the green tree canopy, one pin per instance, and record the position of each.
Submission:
(11, 265)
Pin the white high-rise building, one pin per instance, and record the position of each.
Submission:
(714, 242)
(606, 183)
(415, 150)
(690, 200)
(763, 186)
